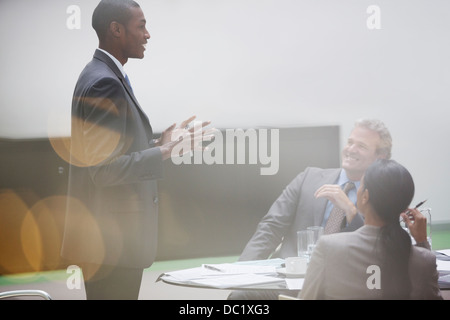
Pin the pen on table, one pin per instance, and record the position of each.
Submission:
(207, 266)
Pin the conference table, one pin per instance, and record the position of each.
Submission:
(250, 275)
(264, 275)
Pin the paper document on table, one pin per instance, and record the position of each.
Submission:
(443, 265)
(192, 273)
(442, 259)
(242, 274)
(237, 280)
(444, 281)
(443, 255)
(277, 262)
(444, 251)
(232, 268)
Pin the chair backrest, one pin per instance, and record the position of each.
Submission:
(286, 297)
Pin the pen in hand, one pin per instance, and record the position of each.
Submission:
(420, 203)
(409, 214)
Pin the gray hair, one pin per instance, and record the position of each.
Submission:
(385, 147)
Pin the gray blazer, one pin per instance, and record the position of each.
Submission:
(339, 268)
(295, 209)
(112, 207)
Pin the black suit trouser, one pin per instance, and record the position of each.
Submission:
(104, 282)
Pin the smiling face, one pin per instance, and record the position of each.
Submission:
(360, 152)
(135, 36)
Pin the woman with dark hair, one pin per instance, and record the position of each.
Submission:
(378, 260)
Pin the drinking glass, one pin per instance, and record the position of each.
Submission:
(427, 213)
(317, 233)
(304, 241)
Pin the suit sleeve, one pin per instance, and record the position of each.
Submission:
(273, 226)
(106, 138)
(430, 288)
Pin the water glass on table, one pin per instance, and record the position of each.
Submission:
(304, 241)
(317, 233)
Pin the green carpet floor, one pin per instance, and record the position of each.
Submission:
(440, 240)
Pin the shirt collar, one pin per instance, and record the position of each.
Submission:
(343, 179)
(118, 64)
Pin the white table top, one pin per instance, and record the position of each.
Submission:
(260, 274)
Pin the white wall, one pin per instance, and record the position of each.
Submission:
(244, 63)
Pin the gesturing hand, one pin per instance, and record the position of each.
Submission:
(334, 193)
(337, 196)
(174, 135)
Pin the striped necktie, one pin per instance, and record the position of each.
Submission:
(337, 215)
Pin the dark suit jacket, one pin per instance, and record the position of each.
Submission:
(112, 210)
(295, 209)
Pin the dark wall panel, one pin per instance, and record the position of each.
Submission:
(213, 210)
(205, 210)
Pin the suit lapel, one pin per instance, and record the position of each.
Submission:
(103, 57)
(131, 94)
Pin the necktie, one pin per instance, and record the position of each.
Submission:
(337, 215)
(128, 82)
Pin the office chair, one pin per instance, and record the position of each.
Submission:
(287, 297)
(21, 293)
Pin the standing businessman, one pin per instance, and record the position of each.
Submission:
(112, 210)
